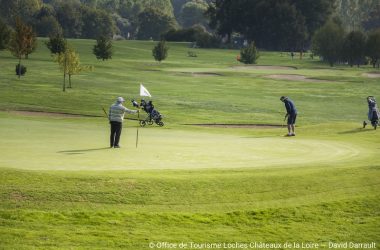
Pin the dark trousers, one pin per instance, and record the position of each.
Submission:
(115, 133)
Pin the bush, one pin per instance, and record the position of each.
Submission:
(196, 34)
(249, 55)
(22, 71)
(160, 51)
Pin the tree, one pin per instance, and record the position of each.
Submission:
(5, 35)
(23, 40)
(69, 17)
(272, 24)
(373, 20)
(373, 47)
(353, 49)
(70, 65)
(56, 44)
(193, 13)
(249, 54)
(160, 51)
(96, 23)
(153, 23)
(23, 9)
(328, 42)
(103, 48)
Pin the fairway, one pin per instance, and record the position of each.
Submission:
(62, 187)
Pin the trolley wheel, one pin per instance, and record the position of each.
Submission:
(160, 123)
(142, 123)
(150, 122)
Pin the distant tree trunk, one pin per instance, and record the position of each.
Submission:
(69, 81)
(19, 67)
(64, 81)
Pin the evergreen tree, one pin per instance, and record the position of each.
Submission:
(249, 54)
(56, 44)
(160, 51)
(103, 48)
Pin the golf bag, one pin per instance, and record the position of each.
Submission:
(153, 115)
(373, 112)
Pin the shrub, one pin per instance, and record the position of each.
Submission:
(249, 54)
(22, 71)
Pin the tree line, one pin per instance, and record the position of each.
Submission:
(335, 45)
(133, 19)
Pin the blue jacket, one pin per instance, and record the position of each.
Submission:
(290, 107)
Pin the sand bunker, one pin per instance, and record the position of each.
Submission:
(265, 67)
(294, 78)
(222, 125)
(372, 75)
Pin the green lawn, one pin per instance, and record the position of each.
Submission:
(61, 187)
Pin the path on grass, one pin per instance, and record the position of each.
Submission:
(56, 144)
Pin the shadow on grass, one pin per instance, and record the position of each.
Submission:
(80, 151)
(354, 131)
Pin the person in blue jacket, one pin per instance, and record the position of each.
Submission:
(291, 113)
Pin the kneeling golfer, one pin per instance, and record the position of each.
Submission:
(291, 113)
(116, 118)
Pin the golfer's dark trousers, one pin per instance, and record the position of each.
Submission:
(115, 133)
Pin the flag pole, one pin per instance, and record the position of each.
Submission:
(138, 125)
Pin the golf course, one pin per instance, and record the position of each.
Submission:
(220, 171)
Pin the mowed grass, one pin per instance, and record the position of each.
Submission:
(62, 187)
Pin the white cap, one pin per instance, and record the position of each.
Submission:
(120, 99)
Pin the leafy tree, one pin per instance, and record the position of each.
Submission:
(5, 35)
(373, 47)
(103, 48)
(56, 44)
(328, 41)
(153, 23)
(354, 12)
(23, 9)
(160, 51)
(353, 49)
(249, 54)
(47, 26)
(96, 23)
(193, 13)
(273, 24)
(70, 65)
(23, 40)
(69, 17)
(373, 20)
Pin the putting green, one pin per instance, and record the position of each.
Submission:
(81, 144)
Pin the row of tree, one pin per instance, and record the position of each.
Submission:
(334, 45)
(139, 19)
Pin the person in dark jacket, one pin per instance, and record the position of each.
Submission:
(291, 114)
(116, 118)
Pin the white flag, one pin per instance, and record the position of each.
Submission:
(144, 91)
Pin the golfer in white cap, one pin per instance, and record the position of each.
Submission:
(116, 118)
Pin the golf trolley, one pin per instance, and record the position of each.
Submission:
(373, 113)
(153, 115)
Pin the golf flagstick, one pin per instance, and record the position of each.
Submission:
(138, 125)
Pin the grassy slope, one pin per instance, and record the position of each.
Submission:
(318, 201)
